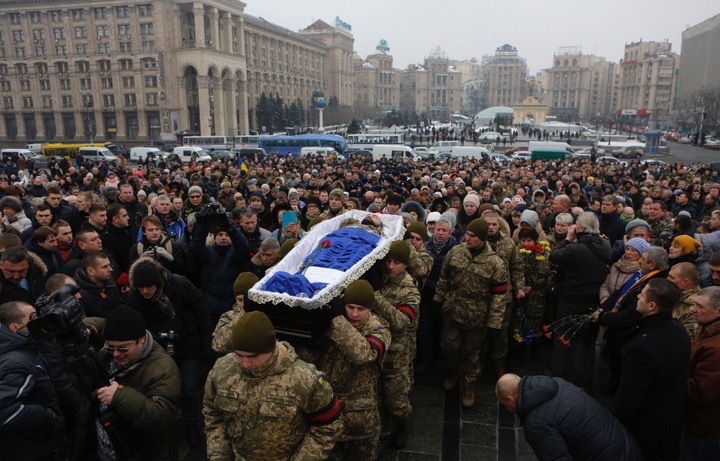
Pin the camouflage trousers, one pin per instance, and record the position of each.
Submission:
(396, 385)
(461, 349)
(498, 342)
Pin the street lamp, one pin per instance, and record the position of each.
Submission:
(89, 120)
(211, 117)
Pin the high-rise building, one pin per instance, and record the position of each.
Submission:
(699, 65)
(432, 88)
(377, 85)
(504, 77)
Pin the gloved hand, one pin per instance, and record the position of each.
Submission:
(337, 308)
(163, 253)
(148, 254)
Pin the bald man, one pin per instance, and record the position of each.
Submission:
(561, 422)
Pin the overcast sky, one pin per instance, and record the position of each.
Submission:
(465, 29)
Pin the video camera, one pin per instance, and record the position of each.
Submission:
(60, 315)
(211, 216)
(167, 340)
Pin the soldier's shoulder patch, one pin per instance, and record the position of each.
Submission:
(320, 377)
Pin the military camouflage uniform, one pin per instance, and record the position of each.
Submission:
(285, 410)
(506, 248)
(662, 230)
(398, 302)
(420, 264)
(352, 360)
(329, 214)
(473, 293)
(223, 330)
(682, 313)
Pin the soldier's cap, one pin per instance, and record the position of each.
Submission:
(337, 193)
(315, 221)
(479, 227)
(399, 251)
(360, 292)
(287, 246)
(243, 283)
(419, 228)
(253, 333)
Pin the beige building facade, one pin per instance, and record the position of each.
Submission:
(504, 76)
(433, 88)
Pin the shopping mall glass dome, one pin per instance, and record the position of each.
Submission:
(485, 117)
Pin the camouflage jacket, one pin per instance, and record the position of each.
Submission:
(473, 289)
(223, 330)
(352, 360)
(283, 411)
(420, 264)
(398, 302)
(682, 313)
(507, 249)
(661, 230)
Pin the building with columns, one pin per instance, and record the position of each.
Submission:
(376, 85)
(504, 77)
(432, 88)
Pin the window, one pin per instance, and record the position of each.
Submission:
(83, 66)
(125, 47)
(100, 13)
(20, 52)
(130, 99)
(15, 18)
(40, 51)
(87, 100)
(122, 11)
(56, 16)
(2, 36)
(149, 63)
(61, 67)
(124, 30)
(67, 101)
(27, 102)
(80, 32)
(77, 14)
(106, 83)
(59, 33)
(45, 85)
(126, 64)
(22, 68)
(35, 17)
(147, 28)
(152, 99)
(5, 85)
(108, 100)
(128, 82)
(148, 45)
(104, 48)
(145, 10)
(2, 53)
(102, 31)
(39, 34)
(65, 84)
(151, 81)
(85, 84)
(104, 65)
(61, 50)
(18, 35)
(8, 102)
(24, 85)
(47, 102)
(81, 49)
(3, 69)
(41, 68)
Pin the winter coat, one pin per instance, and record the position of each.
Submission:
(176, 265)
(51, 259)
(118, 242)
(563, 423)
(19, 222)
(612, 226)
(702, 391)
(438, 258)
(97, 301)
(31, 424)
(36, 278)
(584, 267)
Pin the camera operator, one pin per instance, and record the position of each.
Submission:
(221, 262)
(178, 319)
(31, 425)
(158, 245)
(146, 387)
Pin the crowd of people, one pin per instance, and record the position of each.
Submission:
(571, 256)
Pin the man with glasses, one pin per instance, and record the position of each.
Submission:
(194, 201)
(145, 389)
(31, 424)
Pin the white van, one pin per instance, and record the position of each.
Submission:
(35, 147)
(97, 154)
(470, 152)
(140, 154)
(395, 152)
(319, 151)
(15, 154)
(444, 147)
(188, 153)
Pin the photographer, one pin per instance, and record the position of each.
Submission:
(156, 244)
(177, 318)
(221, 262)
(146, 388)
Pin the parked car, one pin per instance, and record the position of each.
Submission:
(685, 140)
(221, 154)
(491, 136)
(607, 159)
(653, 162)
(521, 156)
(630, 152)
(712, 143)
(500, 158)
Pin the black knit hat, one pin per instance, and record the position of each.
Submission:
(123, 324)
(146, 274)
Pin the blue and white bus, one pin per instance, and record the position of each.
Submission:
(221, 142)
(291, 145)
(368, 140)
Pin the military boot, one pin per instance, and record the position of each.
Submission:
(468, 394)
(400, 436)
(451, 381)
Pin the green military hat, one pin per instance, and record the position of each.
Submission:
(479, 227)
(243, 283)
(360, 292)
(254, 333)
(287, 245)
(419, 228)
(399, 251)
(315, 221)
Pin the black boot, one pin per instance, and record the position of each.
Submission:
(400, 436)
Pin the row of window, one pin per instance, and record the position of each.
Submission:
(38, 35)
(79, 14)
(108, 100)
(61, 67)
(80, 50)
(151, 81)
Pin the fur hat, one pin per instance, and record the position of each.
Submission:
(123, 324)
(243, 282)
(11, 202)
(254, 333)
(360, 292)
(146, 274)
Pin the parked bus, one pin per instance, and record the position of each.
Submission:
(221, 142)
(365, 141)
(292, 145)
(67, 150)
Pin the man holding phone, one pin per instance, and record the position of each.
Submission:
(290, 227)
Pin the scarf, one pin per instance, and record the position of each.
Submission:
(634, 280)
(627, 267)
(438, 246)
(116, 371)
(164, 303)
